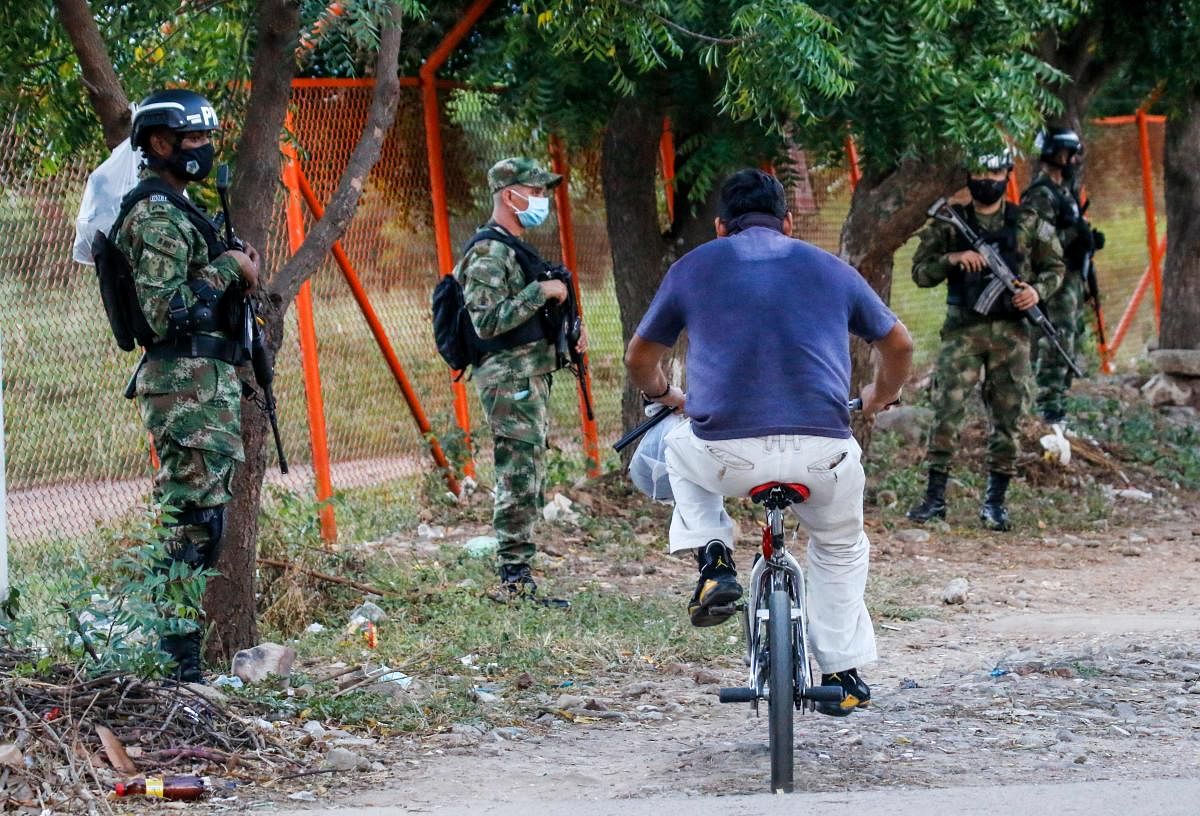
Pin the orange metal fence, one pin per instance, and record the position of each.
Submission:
(362, 391)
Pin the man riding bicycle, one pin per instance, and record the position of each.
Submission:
(768, 320)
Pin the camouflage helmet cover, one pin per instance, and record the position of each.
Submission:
(520, 170)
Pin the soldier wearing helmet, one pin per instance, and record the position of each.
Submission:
(186, 387)
(991, 349)
(1054, 195)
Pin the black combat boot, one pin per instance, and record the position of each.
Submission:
(717, 590)
(934, 503)
(185, 651)
(993, 513)
(517, 584)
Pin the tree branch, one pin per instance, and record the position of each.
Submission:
(285, 284)
(695, 35)
(103, 88)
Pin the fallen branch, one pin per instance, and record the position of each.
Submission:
(324, 576)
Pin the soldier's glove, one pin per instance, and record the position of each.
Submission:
(1097, 239)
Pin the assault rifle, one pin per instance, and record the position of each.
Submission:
(566, 327)
(1003, 280)
(252, 340)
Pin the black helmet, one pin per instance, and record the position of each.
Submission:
(177, 110)
(1053, 139)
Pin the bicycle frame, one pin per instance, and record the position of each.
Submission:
(776, 569)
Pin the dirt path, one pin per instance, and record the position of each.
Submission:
(1075, 659)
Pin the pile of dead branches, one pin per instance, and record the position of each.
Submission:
(66, 738)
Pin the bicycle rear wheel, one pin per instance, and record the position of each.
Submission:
(781, 704)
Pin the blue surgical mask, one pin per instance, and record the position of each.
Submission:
(536, 213)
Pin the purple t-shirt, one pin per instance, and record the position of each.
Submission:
(769, 320)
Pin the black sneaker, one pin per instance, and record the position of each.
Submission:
(717, 591)
(858, 693)
(185, 651)
(517, 584)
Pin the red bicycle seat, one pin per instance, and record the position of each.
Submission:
(790, 492)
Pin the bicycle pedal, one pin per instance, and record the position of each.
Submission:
(824, 694)
(723, 609)
(737, 695)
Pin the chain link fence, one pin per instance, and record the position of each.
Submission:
(77, 452)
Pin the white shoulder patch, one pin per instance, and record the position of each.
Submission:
(1045, 230)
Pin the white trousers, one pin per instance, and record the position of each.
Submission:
(703, 472)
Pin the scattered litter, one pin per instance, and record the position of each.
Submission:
(566, 684)
(314, 629)
(303, 796)
(230, 681)
(398, 677)
(428, 531)
(909, 683)
(997, 672)
(559, 509)
(480, 546)
(1134, 494)
(369, 611)
(468, 660)
(1055, 446)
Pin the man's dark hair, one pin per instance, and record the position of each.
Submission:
(748, 191)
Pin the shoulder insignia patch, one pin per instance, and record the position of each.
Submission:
(1045, 230)
(159, 198)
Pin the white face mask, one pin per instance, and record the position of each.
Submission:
(535, 213)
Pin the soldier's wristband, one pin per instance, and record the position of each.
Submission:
(653, 397)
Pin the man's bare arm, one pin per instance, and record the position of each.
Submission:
(643, 361)
(895, 362)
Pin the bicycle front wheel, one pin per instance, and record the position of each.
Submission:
(782, 700)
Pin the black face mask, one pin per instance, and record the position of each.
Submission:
(193, 164)
(987, 191)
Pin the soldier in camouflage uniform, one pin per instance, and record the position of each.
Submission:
(1054, 196)
(504, 299)
(187, 388)
(996, 344)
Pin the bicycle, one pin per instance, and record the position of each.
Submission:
(775, 627)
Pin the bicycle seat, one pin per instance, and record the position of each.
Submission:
(779, 494)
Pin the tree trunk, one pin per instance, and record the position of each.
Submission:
(103, 88)
(1181, 269)
(628, 174)
(885, 211)
(230, 600)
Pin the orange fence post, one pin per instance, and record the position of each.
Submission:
(566, 237)
(852, 160)
(437, 186)
(1131, 310)
(381, 338)
(308, 357)
(1148, 206)
(666, 152)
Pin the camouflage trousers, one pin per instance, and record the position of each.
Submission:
(192, 409)
(997, 351)
(518, 411)
(1064, 310)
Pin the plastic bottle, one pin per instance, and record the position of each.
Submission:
(163, 787)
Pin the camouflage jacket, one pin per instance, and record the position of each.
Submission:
(1041, 264)
(499, 300)
(1059, 207)
(165, 251)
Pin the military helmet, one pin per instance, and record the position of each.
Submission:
(1053, 139)
(178, 110)
(995, 161)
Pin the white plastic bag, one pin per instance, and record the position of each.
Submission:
(106, 186)
(648, 467)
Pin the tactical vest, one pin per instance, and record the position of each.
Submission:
(190, 329)
(964, 288)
